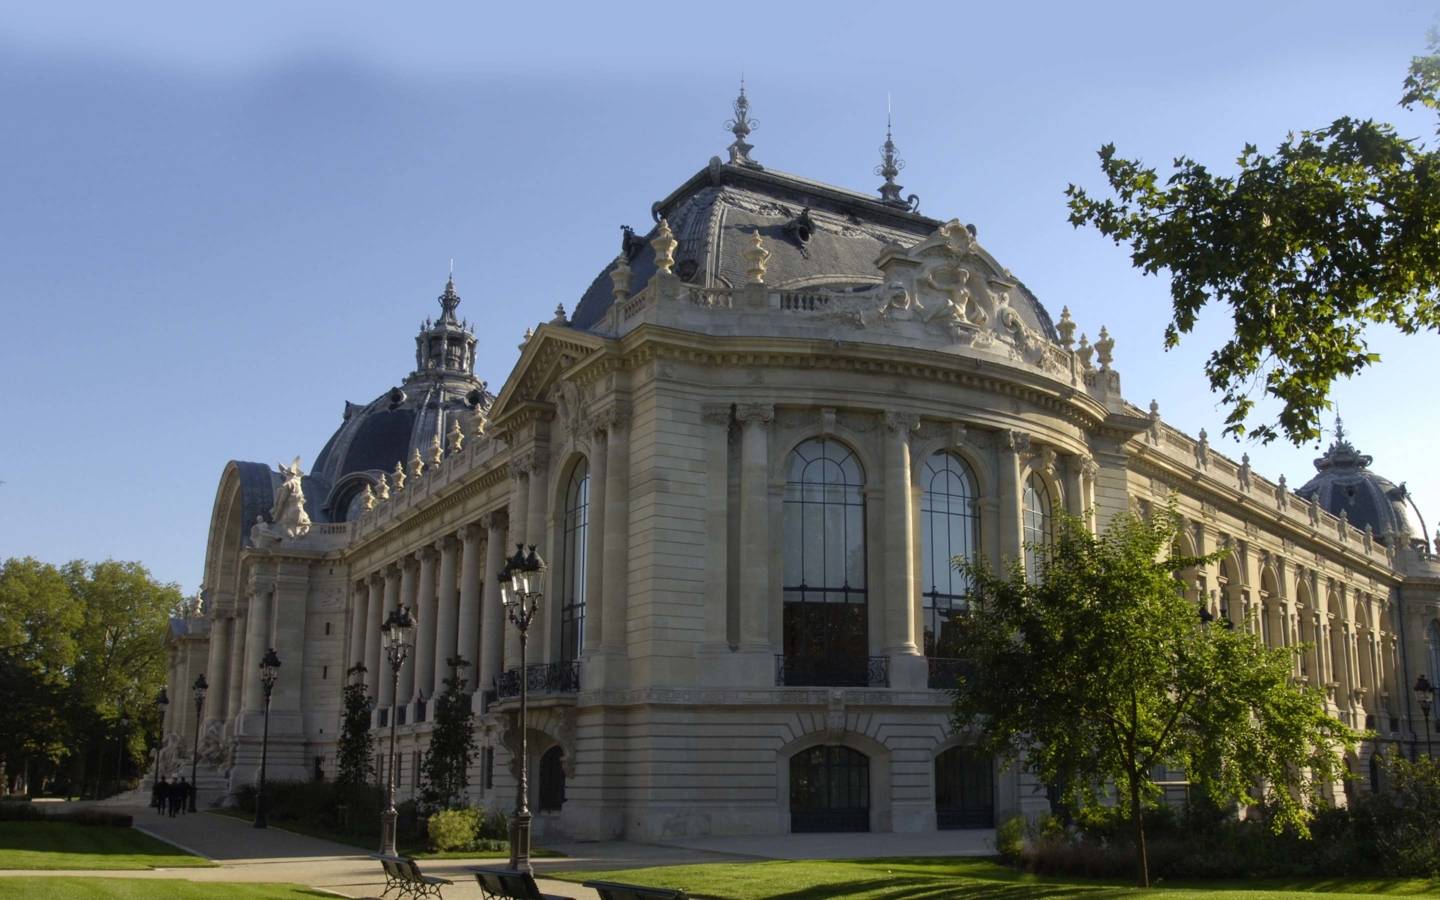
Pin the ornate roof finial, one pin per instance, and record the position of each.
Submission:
(890, 166)
(741, 126)
(1339, 430)
(449, 300)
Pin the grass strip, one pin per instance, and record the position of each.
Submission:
(65, 845)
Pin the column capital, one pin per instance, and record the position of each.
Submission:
(494, 519)
(428, 552)
(615, 415)
(1014, 440)
(445, 543)
(755, 413)
(901, 423)
(474, 531)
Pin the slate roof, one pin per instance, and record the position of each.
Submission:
(1344, 482)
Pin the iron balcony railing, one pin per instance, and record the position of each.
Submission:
(541, 678)
(812, 671)
(945, 672)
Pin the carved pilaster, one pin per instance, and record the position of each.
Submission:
(755, 413)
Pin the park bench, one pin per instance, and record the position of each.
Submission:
(614, 890)
(510, 884)
(403, 876)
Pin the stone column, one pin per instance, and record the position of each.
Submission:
(385, 693)
(594, 627)
(406, 690)
(292, 586)
(543, 632)
(359, 608)
(492, 615)
(374, 615)
(616, 562)
(257, 641)
(755, 419)
(1070, 473)
(467, 629)
(218, 669)
(1012, 534)
(716, 423)
(907, 667)
(519, 514)
(235, 678)
(445, 613)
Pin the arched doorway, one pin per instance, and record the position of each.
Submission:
(552, 779)
(829, 789)
(964, 789)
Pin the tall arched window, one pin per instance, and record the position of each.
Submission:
(825, 637)
(949, 528)
(1037, 509)
(573, 562)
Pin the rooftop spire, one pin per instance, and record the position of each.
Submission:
(449, 300)
(890, 165)
(741, 126)
(446, 345)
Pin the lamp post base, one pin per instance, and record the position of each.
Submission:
(260, 821)
(520, 842)
(387, 831)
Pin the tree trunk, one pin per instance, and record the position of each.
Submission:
(1137, 815)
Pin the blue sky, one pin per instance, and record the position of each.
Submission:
(216, 227)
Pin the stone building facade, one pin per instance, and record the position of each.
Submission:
(747, 457)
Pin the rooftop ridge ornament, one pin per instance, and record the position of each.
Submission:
(741, 126)
(890, 166)
(449, 300)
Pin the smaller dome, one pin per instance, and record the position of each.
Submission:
(1344, 483)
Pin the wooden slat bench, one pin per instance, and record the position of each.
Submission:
(403, 875)
(614, 890)
(505, 884)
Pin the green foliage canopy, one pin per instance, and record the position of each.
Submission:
(452, 744)
(1335, 231)
(356, 751)
(1099, 670)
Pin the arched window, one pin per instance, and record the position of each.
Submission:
(573, 562)
(1432, 640)
(948, 528)
(829, 789)
(1037, 510)
(825, 638)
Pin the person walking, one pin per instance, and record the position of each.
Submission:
(157, 796)
(174, 795)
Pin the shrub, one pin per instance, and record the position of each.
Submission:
(453, 829)
(20, 812)
(1010, 838)
(493, 827)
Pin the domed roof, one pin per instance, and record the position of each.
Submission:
(375, 436)
(1344, 482)
(817, 235)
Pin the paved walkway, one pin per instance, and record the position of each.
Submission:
(248, 854)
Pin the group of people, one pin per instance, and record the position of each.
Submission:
(171, 797)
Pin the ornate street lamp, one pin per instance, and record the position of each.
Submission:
(201, 686)
(522, 586)
(162, 702)
(396, 634)
(1425, 693)
(269, 670)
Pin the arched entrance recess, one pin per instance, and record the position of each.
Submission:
(964, 789)
(829, 789)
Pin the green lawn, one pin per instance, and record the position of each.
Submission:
(371, 842)
(65, 845)
(917, 878)
(147, 888)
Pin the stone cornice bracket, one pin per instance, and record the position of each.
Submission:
(616, 415)
(901, 422)
(827, 421)
(1015, 441)
(494, 519)
(762, 413)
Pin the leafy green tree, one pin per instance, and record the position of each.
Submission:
(1335, 231)
(1099, 670)
(452, 743)
(356, 750)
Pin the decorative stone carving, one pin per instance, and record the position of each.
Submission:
(664, 245)
(212, 745)
(1066, 328)
(382, 491)
(417, 465)
(436, 453)
(1017, 441)
(494, 519)
(715, 414)
(1315, 510)
(1202, 450)
(455, 438)
(397, 478)
(1243, 473)
(756, 257)
(367, 498)
(835, 713)
(1083, 353)
(1104, 350)
(1153, 434)
(560, 318)
(763, 413)
(827, 421)
(1282, 494)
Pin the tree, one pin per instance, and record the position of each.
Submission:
(452, 743)
(39, 616)
(1335, 231)
(356, 750)
(1099, 670)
